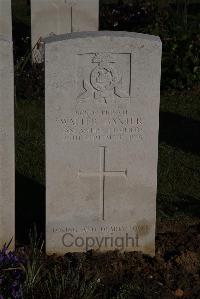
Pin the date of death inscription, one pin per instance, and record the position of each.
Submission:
(102, 125)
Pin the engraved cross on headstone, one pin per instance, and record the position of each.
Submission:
(71, 4)
(102, 173)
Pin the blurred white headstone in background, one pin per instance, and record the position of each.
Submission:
(7, 161)
(6, 18)
(54, 17)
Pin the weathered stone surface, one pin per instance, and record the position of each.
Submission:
(7, 162)
(102, 119)
(61, 16)
(5, 18)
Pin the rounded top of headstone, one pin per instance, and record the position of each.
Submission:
(93, 34)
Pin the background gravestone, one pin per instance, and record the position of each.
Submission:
(7, 162)
(61, 16)
(102, 119)
(5, 18)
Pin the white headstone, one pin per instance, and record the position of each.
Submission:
(53, 17)
(102, 120)
(5, 18)
(7, 161)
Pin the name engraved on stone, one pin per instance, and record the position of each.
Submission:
(102, 174)
(106, 78)
(102, 125)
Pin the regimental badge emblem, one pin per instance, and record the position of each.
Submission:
(104, 77)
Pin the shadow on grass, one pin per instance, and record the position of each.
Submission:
(189, 204)
(179, 131)
(30, 208)
(177, 205)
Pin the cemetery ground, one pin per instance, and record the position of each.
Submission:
(174, 272)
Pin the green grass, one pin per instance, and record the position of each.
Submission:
(178, 183)
(185, 103)
(178, 167)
